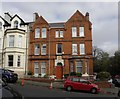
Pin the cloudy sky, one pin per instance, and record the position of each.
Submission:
(103, 15)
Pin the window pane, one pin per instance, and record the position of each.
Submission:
(37, 33)
(57, 33)
(0, 43)
(59, 48)
(36, 68)
(36, 49)
(71, 67)
(61, 33)
(79, 67)
(20, 41)
(18, 62)
(11, 41)
(81, 31)
(82, 49)
(74, 32)
(43, 49)
(76, 79)
(0, 25)
(74, 48)
(43, 32)
(16, 24)
(10, 60)
(43, 68)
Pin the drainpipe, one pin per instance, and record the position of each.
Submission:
(3, 48)
(49, 49)
(2, 51)
(26, 55)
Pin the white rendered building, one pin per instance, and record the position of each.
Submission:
(14, 44)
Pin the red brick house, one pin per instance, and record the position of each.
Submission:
(68, 44)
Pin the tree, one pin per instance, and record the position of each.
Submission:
(100, 60)
(115, 63)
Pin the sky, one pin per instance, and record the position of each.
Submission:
(103, 15)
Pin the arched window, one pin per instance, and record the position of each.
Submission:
(16, 24)
(0, 25)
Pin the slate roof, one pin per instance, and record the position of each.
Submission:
(6, 23)
(57, 25)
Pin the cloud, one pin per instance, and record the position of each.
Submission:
(103, 15)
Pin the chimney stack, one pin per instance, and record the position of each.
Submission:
(35, 16)
(7, 17)
(87, 16)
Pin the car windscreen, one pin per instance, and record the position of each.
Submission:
(118, 80)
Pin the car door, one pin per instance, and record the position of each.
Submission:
(75, 83)
(84, 84)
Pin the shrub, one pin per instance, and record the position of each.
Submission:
(73, 74)
(79, 74)
(103, 75)
(66, 75)
(46, 76)
(30, 73)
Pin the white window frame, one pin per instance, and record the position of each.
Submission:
(19, 61)
(74, 49)
(56, 33)
(11, 40)
(82, 49)
(36, 68)
(81, 30)
(71, 67)
(44, 30)
(79, 65)
(74, 31)
(16, 24)
(37, 33)
(43, 68)
(10, 61)
(61, 34)
(36, 49)
(20, 41)
(43, 50)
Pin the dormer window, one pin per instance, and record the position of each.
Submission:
(0, 25)
(16, 24)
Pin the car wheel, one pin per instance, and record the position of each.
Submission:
(93, 90)
(119, 93)
(69, 88)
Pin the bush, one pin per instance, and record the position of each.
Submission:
(79, 74)
(73, 74)
(46, 76)
(66, 75)
(30, 73)
(103, 75)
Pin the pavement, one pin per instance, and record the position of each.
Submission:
(60, 85)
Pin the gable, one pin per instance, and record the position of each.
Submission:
(77, 16)
(40, 21)
(17, 18)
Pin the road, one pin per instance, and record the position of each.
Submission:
(40, 91)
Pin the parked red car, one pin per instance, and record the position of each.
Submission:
(77, 83)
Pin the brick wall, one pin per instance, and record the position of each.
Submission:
(77, 19)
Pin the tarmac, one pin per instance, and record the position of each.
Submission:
(60, 85)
